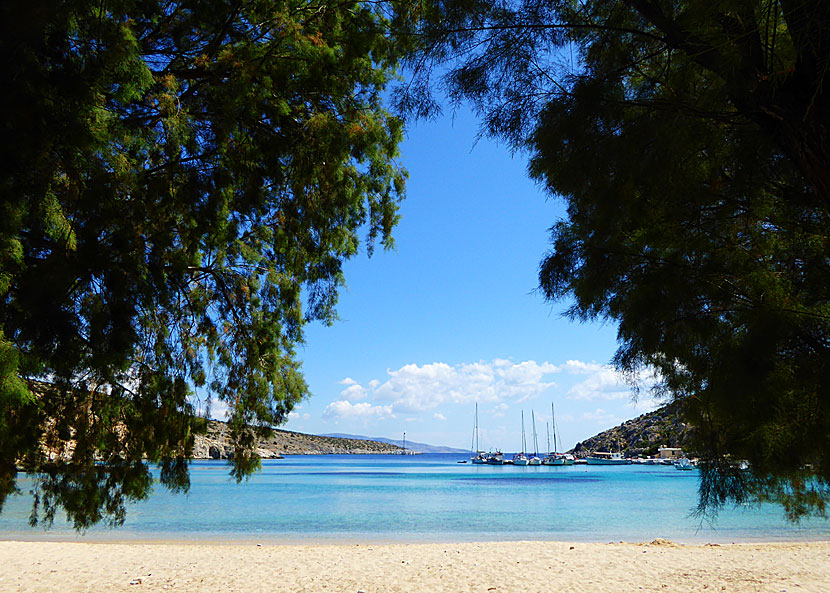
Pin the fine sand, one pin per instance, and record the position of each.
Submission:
(521, 567)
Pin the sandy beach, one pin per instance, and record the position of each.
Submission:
(549, 567)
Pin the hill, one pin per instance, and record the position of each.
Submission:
(410, 445)
(215, 444)
(640, 436)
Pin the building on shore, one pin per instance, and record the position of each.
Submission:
(669, 452)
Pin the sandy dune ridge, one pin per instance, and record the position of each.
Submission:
(521, 567)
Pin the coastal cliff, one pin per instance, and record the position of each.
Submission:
(215, 444)
(640, 436)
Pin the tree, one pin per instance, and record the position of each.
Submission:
(690, 143)
(181, 182)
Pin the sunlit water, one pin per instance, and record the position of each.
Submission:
(340, 498)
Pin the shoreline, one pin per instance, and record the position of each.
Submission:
(361, 540)
(488, 567)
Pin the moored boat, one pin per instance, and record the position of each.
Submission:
(535, 460)
(606, 458)
(495, 458)
(554, 457)
(477, 456)
(521, 458)
(558, 459)
(683, 464)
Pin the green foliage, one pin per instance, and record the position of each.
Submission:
(689, 141)
(181, 183)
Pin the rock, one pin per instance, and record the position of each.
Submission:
(640, 436)
(217, 442)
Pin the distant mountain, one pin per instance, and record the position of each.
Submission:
(411, 445)
(641, 436)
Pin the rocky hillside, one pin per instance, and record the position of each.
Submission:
(640, 436)
(215, 445)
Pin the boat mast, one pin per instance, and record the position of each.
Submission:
(547, 433)
(404, 443)
(524, 446)
(475, 427)
(535, 444)
(474, 446)
(553, 421)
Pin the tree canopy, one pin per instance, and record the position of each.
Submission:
(690, 143)
(180, 184)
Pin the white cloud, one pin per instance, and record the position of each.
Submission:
(499, 410)
(601, 417)
(602, 383)
(353, 393)
(500, 386)
(577, 367)
(646, 403)
(342, 409)
(414, 388)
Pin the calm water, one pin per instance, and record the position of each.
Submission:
(429, 498)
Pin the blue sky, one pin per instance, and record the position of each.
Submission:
(451, 317)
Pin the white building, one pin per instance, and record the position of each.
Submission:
(669, 452)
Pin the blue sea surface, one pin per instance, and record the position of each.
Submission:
(426, 498)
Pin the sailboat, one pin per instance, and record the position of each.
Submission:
(521, 458)
(535, 459)
(554, 457)
(476, 454)
(550, 458)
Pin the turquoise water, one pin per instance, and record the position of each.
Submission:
(340, 498)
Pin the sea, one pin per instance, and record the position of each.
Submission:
(425, 498)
